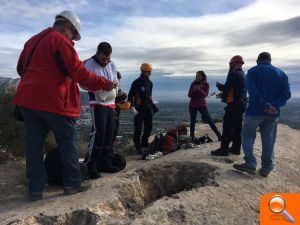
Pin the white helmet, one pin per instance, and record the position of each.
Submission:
(73, 19)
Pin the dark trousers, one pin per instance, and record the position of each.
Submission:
(118, 111)
(232, 126)
(144, 116)
(102, 135)
(37, 126)
(205, 116)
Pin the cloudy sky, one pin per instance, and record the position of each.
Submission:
(178, 37)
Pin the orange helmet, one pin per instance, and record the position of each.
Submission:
(237, 59)
(147, 67)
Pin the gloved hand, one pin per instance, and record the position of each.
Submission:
(134, 111)
(154, 109)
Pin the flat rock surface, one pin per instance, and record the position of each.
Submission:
(186, 187)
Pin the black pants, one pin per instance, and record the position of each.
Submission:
(205, 116)
(143, 116)
(102, 134)
(118, 111)
(232, 126)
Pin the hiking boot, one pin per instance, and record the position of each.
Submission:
(220, 152)
(243, 168)
(35, 197)
(74, 190)
(263, 172)
(192, 138)
(145, 156)
(93, 172)
(234, 151)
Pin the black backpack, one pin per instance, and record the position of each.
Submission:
(53, 168)
(155, 146)
(118, 161)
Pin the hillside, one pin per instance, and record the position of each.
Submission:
(185, 187)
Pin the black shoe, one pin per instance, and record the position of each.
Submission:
(234, 152)
(220, 152)
(243, 168)
(192, 137)
(263, 172)
(93, 172)
(74, 190)
(200, 140)
(35, 197)
(144, 156)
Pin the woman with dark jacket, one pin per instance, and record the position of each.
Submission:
(198, 92)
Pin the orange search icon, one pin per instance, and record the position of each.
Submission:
(277, 205)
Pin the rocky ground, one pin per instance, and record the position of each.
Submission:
(185, 187)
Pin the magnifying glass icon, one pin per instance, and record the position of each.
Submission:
(277, 205)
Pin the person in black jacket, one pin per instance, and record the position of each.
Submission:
(142, 106)
(235, 95)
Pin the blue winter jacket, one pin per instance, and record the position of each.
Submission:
(266, 85)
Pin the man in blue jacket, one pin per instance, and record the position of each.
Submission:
(268, 89)
(142, 106)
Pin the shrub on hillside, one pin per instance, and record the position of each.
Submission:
(12, 132)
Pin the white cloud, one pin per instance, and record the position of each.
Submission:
(202, 42)
(206, 34)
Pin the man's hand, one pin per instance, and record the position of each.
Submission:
(112, 84)
(271, 110)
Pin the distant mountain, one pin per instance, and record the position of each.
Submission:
(8, 83)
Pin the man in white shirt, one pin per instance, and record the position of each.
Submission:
(103, 106)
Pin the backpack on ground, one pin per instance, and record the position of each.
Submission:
(155, 146)
(53, 168)
(118, 161)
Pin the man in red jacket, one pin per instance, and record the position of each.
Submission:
(49, 99)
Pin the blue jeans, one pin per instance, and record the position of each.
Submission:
(205, 118)
(37, 126)
(268, 128)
